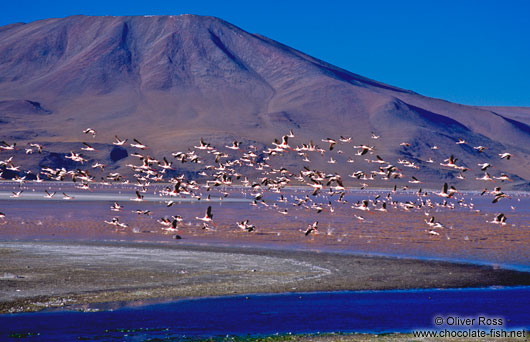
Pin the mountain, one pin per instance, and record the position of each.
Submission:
(169, 80)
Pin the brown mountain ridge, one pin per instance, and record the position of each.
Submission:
(170, 80)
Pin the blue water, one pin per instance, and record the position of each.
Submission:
(357, 311)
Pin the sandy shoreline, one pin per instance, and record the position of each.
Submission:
(39, 275)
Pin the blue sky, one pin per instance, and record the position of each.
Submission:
(472, 52)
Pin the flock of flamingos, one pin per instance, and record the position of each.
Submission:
(225, 167)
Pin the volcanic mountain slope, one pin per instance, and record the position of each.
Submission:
(169, 80)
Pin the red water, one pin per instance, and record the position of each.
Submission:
(467, 235)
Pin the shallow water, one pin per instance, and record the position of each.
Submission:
(359, 311)
(467, 236)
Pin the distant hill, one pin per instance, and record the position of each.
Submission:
(170, 80)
